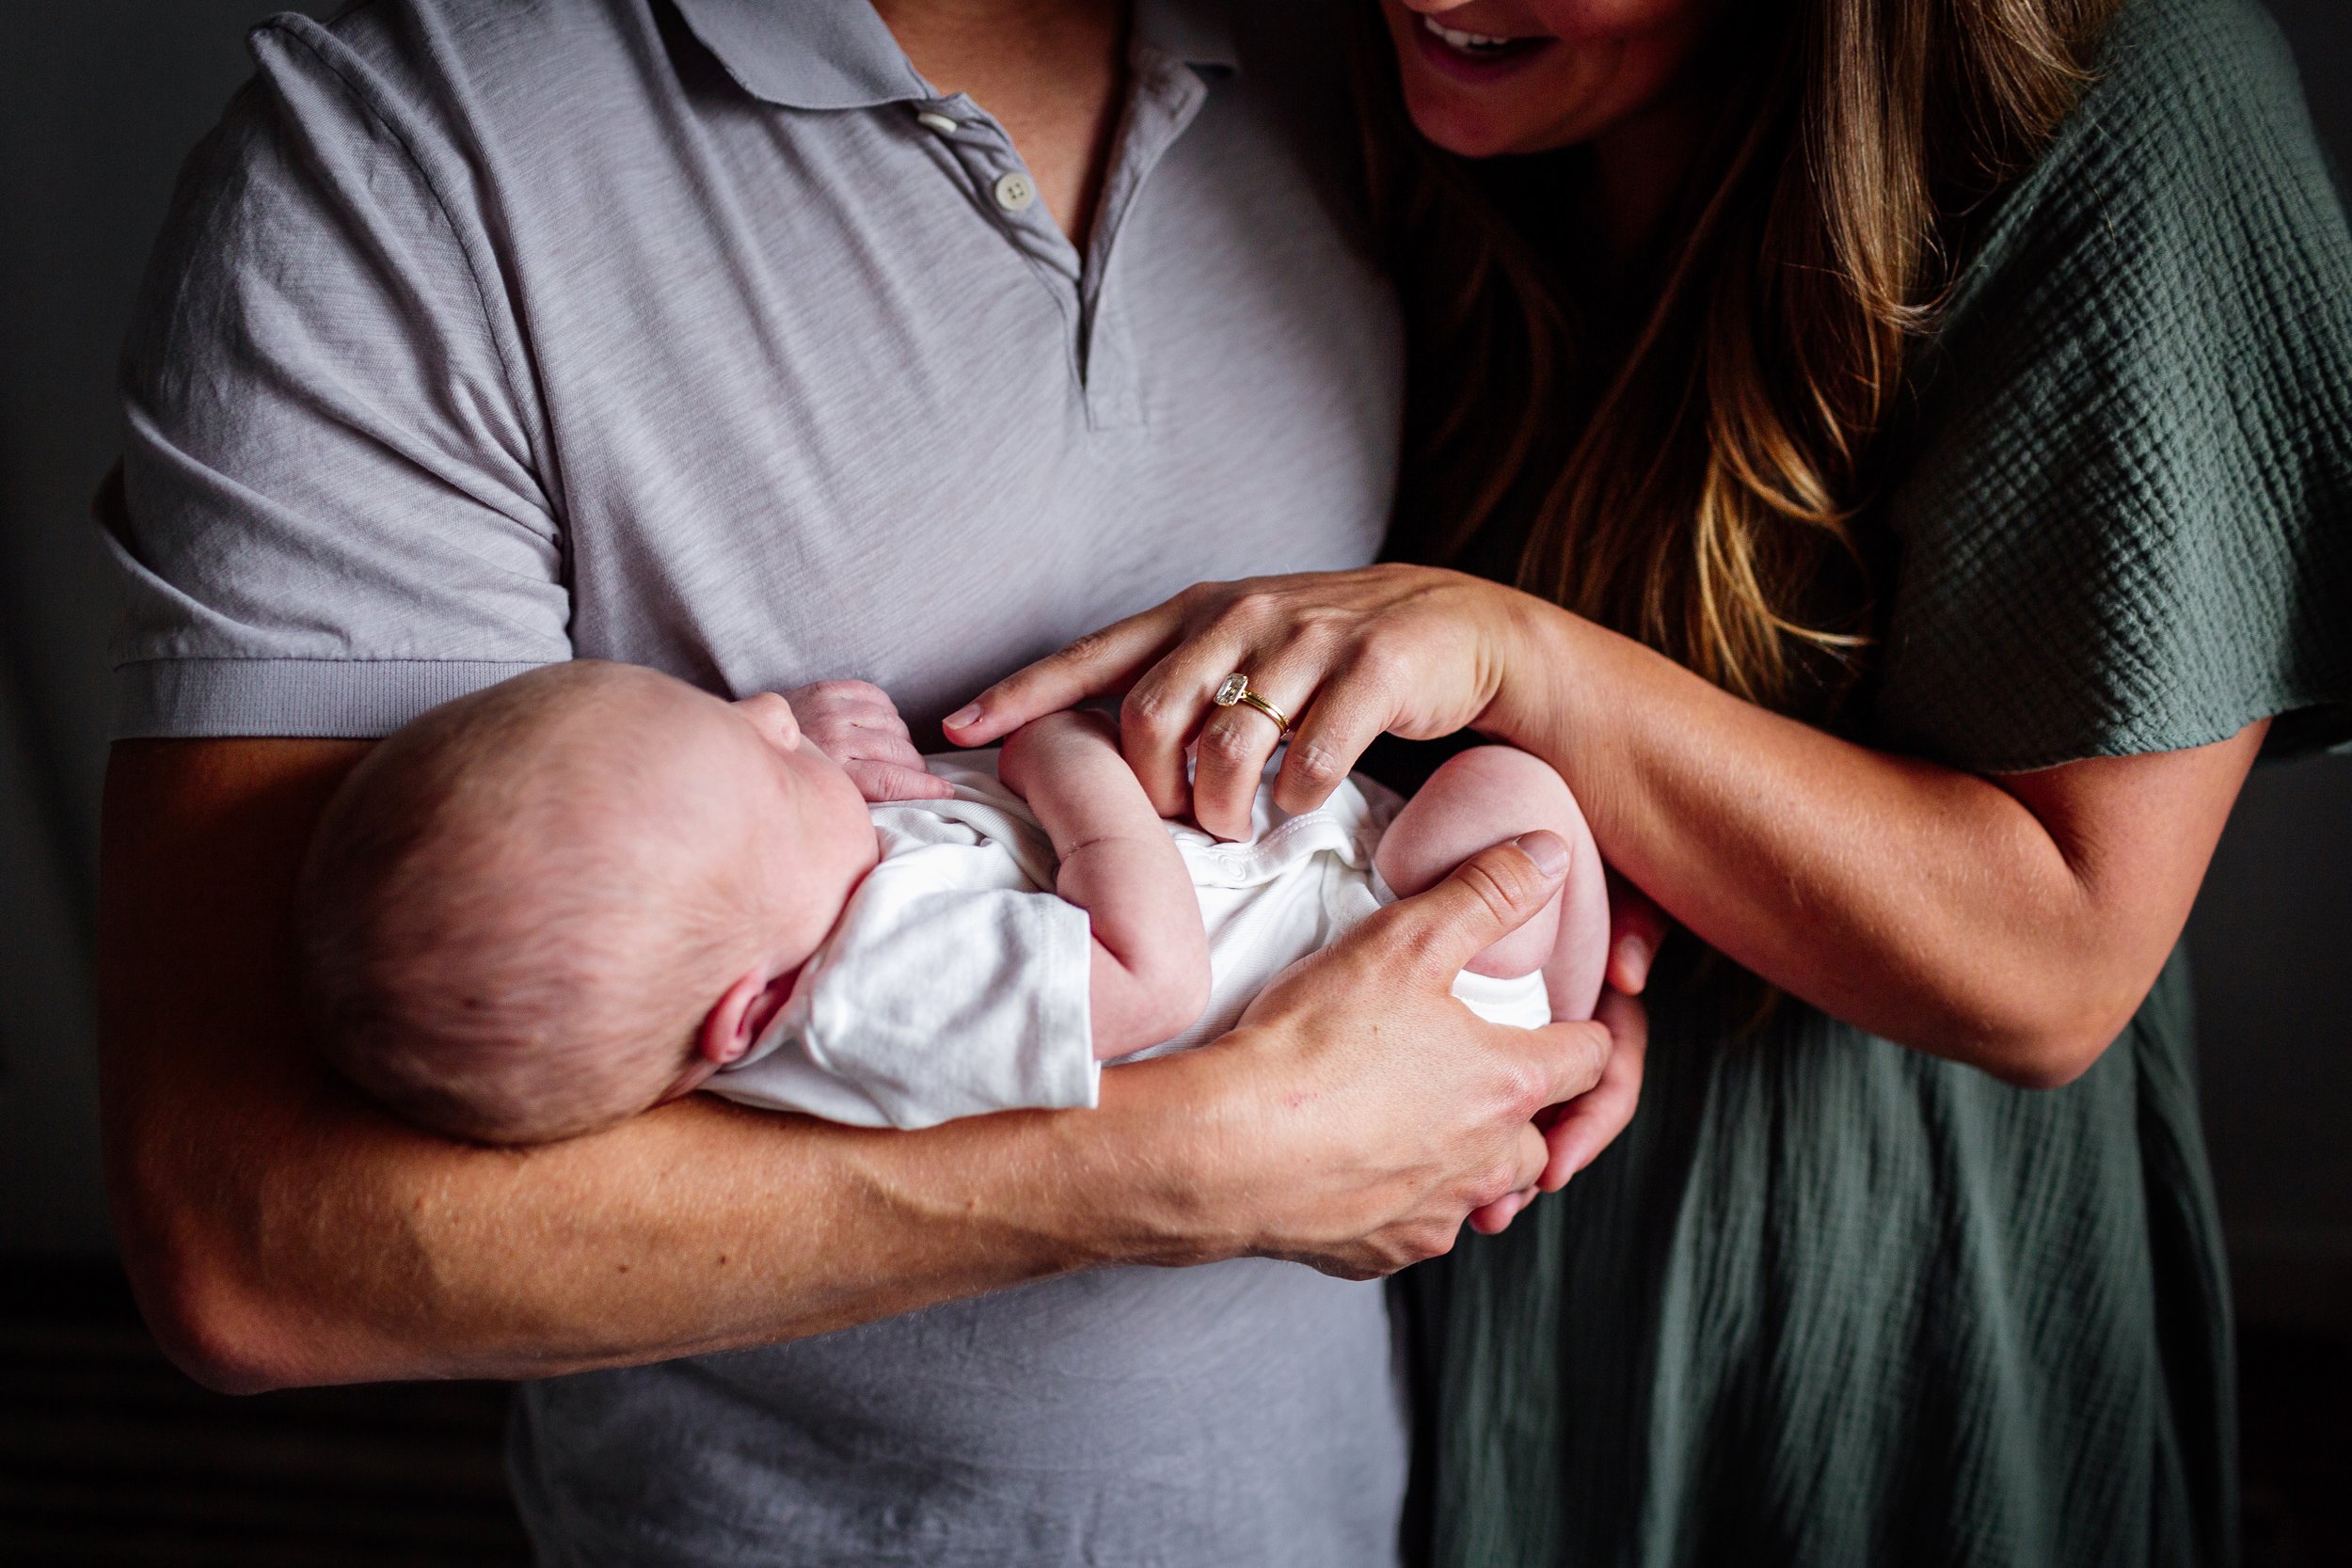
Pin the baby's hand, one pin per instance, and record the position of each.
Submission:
(856, 723)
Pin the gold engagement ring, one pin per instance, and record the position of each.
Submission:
(1236, 688)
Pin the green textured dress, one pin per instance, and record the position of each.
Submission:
(1832, 1302)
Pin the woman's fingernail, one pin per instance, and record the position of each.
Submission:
(1637, 955)
(963, 717)
(1548, 850)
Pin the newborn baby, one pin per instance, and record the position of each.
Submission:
(553, 904)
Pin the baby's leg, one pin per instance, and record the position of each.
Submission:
(1481, 798)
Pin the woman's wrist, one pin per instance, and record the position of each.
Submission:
(1576, 693)
(1541, 658)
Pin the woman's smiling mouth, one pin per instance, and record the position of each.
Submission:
(1474, 56)
(1468, 44)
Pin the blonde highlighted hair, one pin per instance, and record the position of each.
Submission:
(1699, 479)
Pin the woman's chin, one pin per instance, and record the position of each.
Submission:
(1468, 129)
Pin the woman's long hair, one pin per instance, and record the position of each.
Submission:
(1691, 465)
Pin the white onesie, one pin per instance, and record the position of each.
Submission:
(954, 983)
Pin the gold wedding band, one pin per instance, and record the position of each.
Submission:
(1236, 688)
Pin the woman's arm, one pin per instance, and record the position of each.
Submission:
(2014, 921)
(2011, 922)
(280, 1230)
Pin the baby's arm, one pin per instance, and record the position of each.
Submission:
(1481, 798)
(1151, 968)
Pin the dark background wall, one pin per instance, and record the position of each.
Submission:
(98, 102)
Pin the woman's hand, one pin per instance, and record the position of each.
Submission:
(1347, 656)
(1579, 1130)
(1359, 1113)
(1410, 650)
(2013, 923)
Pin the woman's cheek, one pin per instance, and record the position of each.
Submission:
(1607, 61)
(1591, 19)
(1556, 102)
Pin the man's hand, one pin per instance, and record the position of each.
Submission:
(856, 723)
(1366, 1113)
(280, 1230)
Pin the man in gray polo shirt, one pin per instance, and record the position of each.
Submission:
(708, 335)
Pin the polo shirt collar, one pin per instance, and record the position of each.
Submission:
(837, 54)
(1197, 32)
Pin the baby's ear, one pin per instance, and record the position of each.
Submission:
(742, 1015)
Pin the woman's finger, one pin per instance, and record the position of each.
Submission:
(1167, 706)
(1567, 1060)
(1346, 716)
(1096, 665)
(1589, 1123)
(1235, 745)
(1637, 926)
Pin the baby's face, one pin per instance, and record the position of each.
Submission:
(814, 828)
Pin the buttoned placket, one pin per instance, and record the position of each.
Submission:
(1165, 95)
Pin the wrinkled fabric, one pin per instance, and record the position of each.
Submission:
(957, 983)
(1830, 1302)
(490, 333)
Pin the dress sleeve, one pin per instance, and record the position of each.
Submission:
(330, 513)
(2129, 524)
(952, 987)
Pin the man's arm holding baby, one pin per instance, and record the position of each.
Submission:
(280, 1230)
(1149, 976)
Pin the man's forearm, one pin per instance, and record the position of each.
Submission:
(282, 1230)
(342, 1247)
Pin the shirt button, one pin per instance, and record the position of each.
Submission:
(1014, 193)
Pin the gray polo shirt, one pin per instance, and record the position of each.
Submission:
(705, 335)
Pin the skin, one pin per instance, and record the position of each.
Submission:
(1149, 980)
(1148, 965)
(1607, 73)
(2012, 922)
(1051, 72)
(280, 1230)
(804, 815)
(1482, 796)
(1583, 939)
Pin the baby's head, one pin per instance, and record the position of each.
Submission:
(548, 906)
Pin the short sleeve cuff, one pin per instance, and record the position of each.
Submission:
(1061, 1070)
(320, 699)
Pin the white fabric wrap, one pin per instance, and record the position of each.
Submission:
(956, 982)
